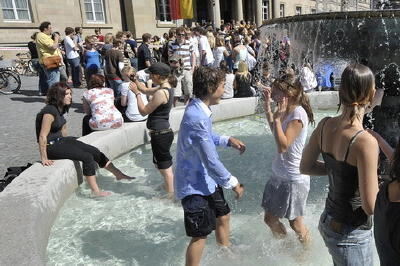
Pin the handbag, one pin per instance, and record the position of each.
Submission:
(51, 62)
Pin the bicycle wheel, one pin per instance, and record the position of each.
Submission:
(10, 82)
(31, 68)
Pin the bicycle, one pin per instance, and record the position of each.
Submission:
(10, 81)
(24, 64)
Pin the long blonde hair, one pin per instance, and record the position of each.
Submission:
(243, 71)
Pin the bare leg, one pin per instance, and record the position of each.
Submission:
(116, 172)
(95, 188)
(195, 250)
(301, 230)
(168, 175)
(222, 230)
(278, 229)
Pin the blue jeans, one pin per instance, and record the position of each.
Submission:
(134, 62)
(52, 76)
(43, 86)
(75, 71)
(114, 84)
(350, 247)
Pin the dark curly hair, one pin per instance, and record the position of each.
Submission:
(56, 94)
(395, 164)
(206, 79)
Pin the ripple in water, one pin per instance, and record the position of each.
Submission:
(135, 227)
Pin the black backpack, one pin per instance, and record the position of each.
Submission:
(11, 174)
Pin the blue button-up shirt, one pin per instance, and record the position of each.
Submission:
(198, 168)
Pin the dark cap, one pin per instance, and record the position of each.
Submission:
(159, 69)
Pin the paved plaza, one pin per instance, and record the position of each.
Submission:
(18, 144)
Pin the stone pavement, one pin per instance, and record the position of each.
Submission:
(18, 144)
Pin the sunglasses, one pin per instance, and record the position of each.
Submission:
(180, 34)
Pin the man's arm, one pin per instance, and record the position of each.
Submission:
(207, 152)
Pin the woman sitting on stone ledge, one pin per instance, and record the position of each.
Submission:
(54, 144)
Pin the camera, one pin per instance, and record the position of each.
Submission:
(132, 77)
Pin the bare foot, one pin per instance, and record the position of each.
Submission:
(101, 193)
(123, 176)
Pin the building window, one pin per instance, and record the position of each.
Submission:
(94, 10)
(313, 11)
(164, 11)
(298, 10)
(16, 10)
(265, 9)
(282, 10)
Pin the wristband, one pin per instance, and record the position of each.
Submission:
(137, 94)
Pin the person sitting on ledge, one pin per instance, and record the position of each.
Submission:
(51, 134)
(98, 104)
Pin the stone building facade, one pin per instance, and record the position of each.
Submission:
(20, 18)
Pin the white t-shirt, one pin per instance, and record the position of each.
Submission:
(218, 55)
(286, 165)
(132, 111)
(194, 41)
(228, 89)
(143, 76)
(69, 48)
(204, 45)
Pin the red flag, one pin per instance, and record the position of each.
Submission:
(175, 7)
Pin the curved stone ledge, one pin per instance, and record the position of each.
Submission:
(30, 204)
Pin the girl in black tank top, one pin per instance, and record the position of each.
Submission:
(350, 160)
(158, 109)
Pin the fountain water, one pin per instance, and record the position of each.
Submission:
(331, 41)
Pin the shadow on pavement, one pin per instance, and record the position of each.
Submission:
(28, 100)
(27, 92)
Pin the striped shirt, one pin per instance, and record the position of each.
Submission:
(183, 50)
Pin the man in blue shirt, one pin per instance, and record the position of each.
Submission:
(200, 175)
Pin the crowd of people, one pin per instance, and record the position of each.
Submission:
(199, 67)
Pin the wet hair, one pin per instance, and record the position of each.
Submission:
(395, 164)
(206, 80)
(291, 86)
(96, 81)
(356, 88)
(44, 25)
(146, 37)
(56, 95)
(69, 30)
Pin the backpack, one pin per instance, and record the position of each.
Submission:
(11, 174)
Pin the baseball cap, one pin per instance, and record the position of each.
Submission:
(159, 68)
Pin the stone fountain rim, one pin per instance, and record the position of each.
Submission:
(334, 16)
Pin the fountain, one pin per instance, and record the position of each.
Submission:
(331, 41)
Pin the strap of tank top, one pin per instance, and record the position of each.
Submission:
(322, 130)
(352, 140)
(165, 88)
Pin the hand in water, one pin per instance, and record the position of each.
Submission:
(239, 190)
(237, 144)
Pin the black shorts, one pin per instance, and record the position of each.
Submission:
(200, 212)
(160, 145)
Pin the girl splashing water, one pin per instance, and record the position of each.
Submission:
(286, 191)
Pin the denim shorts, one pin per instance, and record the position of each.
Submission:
(201, 212)
(350, 247)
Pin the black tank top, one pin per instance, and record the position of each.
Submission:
(159, 118)
(344, 202)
